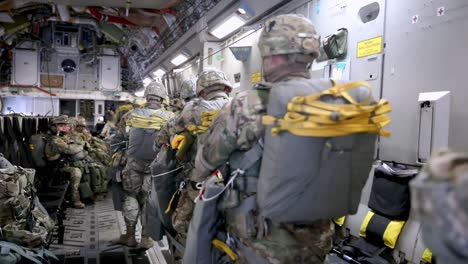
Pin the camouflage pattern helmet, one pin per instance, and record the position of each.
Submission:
(80, 121)
(4, 163)
(289, 34)
(155, 88)
(187, 89)
(72, 121)
(211, 77)
(63, 119)
(177, 103)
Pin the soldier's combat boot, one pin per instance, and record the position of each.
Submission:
(128, 238)
(76, 200)
(146, 241)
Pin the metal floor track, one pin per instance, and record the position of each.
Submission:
(91, 236)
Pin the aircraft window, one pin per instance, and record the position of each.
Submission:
(100, 109)
(68, 107)
(369, 12)
(86, 38)
(87, 109)
(68, 66)
(237, 77)
(58, 38)
(210, 56)
(65, 39)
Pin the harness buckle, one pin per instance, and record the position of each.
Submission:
(182, 185)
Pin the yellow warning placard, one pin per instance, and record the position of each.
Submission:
(370, 47)
(256, 77)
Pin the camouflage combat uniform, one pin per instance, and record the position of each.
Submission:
(97, 148)
(118, 145)
(440, 203)
(136, 176)
(62, 147)
(238, 128)
(97, 158)
(214, 83)
(187, 93)
(120, 140)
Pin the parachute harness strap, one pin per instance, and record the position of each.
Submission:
(206, 120)
(234, 175)
(153, 122)
(308, 116)
(169, 206)
(224, 248)
(167, 172)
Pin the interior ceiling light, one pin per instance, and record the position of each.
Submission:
(228, 26)
(241, 11)
(147, 81)
(178, 70)
(179, 59)
(159, 72)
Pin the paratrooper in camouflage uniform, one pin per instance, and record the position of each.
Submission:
(119, 141)
(288, 45)
(97, 159)
(440, 202)
(213, 89)
(97, 149)
(136, 177)
(60, 147)
(187, 93)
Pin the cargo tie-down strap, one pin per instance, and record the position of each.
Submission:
(152, 122)
(308, 116)
(206, 118)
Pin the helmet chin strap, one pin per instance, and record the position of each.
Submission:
(215, 94)
(285, 70)
(283, 66)
(151, 103)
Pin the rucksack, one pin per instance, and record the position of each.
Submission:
(144, 125)
(11, 253)
(319, 147)
(37, 145)
(20, 218)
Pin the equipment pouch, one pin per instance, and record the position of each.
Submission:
(85, 191)
(336, 45)
(230, 199)
(242, 220)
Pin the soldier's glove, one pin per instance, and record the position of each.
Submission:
(178, 141)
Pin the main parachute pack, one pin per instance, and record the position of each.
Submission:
(144, 124)
(319, 147)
